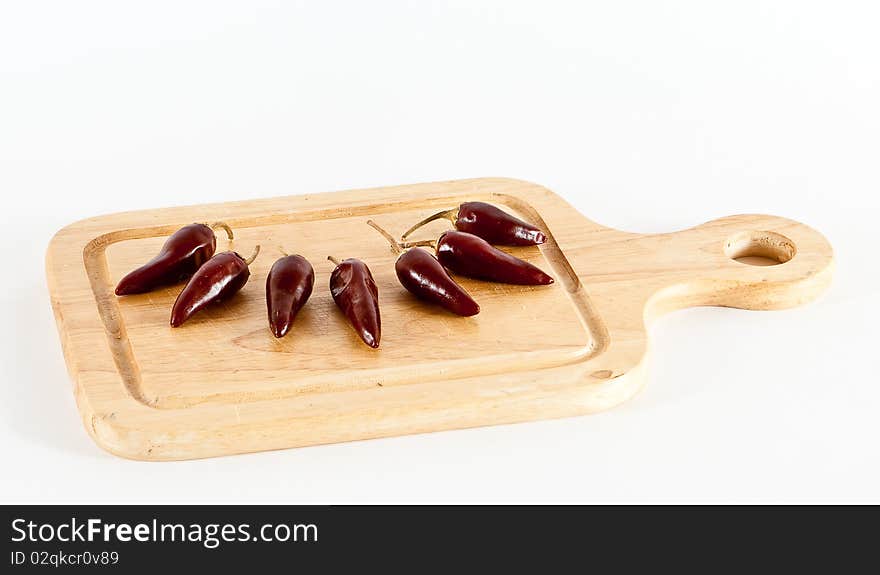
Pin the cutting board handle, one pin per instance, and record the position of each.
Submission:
(632, 279)
(749, 261)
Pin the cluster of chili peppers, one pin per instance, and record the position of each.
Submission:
(189, 253)
(467, 251)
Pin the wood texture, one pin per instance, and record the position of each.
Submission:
(221, 384)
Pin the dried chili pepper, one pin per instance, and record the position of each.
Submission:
(488, 222)
(288, 287)
(474, 257)
(356, 294)
(220, 277)
(423, 276)
(183, 253)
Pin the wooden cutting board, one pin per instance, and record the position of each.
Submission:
(222, 384)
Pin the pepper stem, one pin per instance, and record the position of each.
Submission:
(421, 244)
(251, 259)
(450, 215)
(224, 226)
(394, 244)
(334, 260)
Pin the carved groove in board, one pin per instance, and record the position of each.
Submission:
(592, 322)
(94, 257)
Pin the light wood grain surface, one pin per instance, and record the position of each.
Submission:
(222, 384)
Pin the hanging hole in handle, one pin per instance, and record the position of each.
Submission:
(759, 248)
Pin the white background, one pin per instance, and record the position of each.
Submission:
(648, 116)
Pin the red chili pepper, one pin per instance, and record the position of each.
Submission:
(474, 257)
(183, 253)
(288, 287)
(220, 277)
(488, 222)
(423, 276)
(356, 294)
